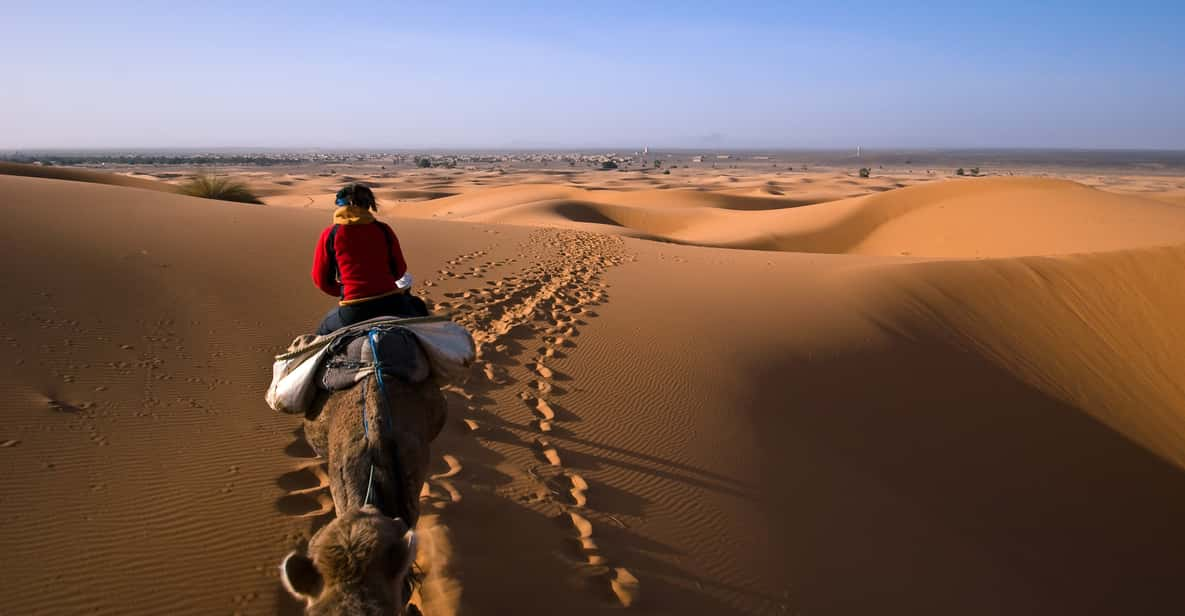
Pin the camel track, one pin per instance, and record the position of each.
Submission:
(524, 318)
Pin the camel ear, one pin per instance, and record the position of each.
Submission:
(300, 576)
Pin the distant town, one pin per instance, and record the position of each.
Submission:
(644, 158)
(394, 159)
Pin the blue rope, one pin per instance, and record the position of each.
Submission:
(378, 369)
(374, 352)
(372, 337)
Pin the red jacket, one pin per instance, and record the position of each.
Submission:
(367, 255)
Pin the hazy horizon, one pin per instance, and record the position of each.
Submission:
(576, 148)
(746, 76)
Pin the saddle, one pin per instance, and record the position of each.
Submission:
(406, 349)
(393, 350)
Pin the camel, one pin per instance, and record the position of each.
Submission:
(357, 564)
(376, 444)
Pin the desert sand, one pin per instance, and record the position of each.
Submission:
(711, 392)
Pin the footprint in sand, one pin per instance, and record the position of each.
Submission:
(549, 452)
(582, 525)
(308, 478)
(303, 505)
(625, 586)
(449, 496)
(579, 489)
(588, 546)
(491, 373)
(544, 409)
(454, 467)
(544, 413)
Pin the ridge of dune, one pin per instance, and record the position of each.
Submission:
(970, 218)
(692, 198)
(1100, 331)
(483, 202)
(998, 217)
(82, 175)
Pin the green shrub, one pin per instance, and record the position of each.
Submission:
(960, 171)
(423, 162)
(608, 165)
(223, 189)
(666, 171)
(865, 172)
(975, 171)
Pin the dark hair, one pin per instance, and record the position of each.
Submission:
(358, 195)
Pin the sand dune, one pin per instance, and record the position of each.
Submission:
(81, 175)
(989, 217)
(879, 448)
(990, 423)
(1096, 331)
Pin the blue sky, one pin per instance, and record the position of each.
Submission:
(548, 74)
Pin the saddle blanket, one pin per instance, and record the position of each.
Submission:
(409, 349)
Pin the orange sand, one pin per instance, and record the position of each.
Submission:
(955, 397)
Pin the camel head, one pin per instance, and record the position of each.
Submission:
(356, 564)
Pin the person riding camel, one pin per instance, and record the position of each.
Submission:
(359, 261)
